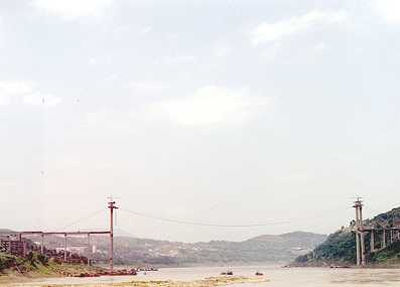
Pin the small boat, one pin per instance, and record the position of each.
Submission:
(258, 273)
(228, 272)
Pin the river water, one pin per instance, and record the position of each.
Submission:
(278, 277)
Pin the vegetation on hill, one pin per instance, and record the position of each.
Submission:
(340, 247)
(37, 265)
(22, 265)
(271, 248)
(389, 255)
(267, 248)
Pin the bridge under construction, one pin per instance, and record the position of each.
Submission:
(379, 235)
(21, 245)
(370, 237)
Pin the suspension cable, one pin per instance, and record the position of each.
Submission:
(159, 218)
(91, 215)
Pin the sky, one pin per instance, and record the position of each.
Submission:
(276, 113)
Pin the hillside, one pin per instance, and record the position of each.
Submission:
(37, 265)
(339, 247)
(271, 248)
(267, 248)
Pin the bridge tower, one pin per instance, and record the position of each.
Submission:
(359, 230)
(111, 206)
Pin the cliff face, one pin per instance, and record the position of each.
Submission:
(339, 247)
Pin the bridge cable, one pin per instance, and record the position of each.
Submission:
(91, 215)
(159, 218)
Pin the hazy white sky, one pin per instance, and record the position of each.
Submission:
(227, 112)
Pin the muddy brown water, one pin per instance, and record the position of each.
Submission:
(278, 277)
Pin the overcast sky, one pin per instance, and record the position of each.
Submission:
(222, 112)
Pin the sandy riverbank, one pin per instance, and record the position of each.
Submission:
(206, 282)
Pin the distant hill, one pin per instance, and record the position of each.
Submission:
(5, 231)
(340, 247)
(262, 249)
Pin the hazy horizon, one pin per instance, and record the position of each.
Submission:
(215, 112)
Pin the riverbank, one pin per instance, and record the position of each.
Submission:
(206, 282)
(49, 270)
(199, 277)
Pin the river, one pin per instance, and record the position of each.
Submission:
(278, 277)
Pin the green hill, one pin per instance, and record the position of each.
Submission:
(267, 248)
(36, 265)
(262, 249)
(340, 247)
